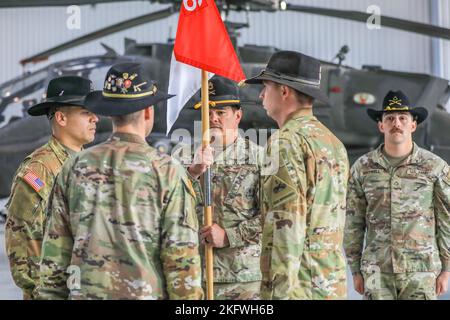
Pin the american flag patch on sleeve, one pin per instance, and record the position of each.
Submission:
(33, 180)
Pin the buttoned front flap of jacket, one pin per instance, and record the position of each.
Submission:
(243, 182)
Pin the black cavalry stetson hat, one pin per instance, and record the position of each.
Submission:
(397, 101)
(222, 92)
(63, 91)
(128, 88)
(295, 70)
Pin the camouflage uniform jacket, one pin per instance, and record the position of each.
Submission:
(26, 212)
(235, 181)
(305, 177)
(122, 225)
(402, 212)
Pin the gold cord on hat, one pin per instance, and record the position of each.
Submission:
(129, 95)
(214, 103)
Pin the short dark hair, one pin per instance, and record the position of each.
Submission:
(51, 112)
(304, 99)
(126, 119)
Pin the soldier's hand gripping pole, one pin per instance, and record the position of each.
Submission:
(207, 187)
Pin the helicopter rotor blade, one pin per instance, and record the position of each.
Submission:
(401, 24)
(154, 16)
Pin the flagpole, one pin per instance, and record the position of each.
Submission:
(207, 187)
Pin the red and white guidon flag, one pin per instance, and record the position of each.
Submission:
(201, 42)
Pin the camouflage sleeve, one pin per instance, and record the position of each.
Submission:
(57, 246)
(442, 211)
(196, 184)
(247, 232)
(25, 227)
(284, 228)
(355, 223)
(179, 246)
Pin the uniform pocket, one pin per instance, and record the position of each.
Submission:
(418, 256)
(243, 192)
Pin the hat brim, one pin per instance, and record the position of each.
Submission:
(220, 102)
(309, 90)
(419, 114)
(104, 106)
(42, 108)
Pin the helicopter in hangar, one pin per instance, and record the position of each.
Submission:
(350, 90)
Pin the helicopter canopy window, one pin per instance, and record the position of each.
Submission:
(18, 107)
(19, 94)
(13, 88)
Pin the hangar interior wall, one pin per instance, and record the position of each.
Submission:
(26, 31)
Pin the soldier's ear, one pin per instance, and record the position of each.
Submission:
(148, 112)
(238, 115)
(413, 126)
(284, 90)
(60, 118)
(381, 126)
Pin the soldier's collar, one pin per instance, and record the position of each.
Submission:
(301, 113)
(381, 159)
(414, 157)
(128, 137)
(59, 149)
(69, 151)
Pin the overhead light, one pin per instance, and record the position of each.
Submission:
(283, 5)
(7, 94)
(16, 99)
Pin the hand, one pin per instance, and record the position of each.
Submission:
(214, 236)
(442, 283)
(203, 158)
(358, 283)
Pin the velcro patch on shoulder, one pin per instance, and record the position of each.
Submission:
(34, 181)
(279, 189)
(282, 192)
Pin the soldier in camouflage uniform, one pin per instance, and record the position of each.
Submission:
(398, 202)
(236, 231)
(72, 127)
(123, 223)
(304, 186)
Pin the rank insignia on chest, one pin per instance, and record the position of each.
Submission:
(33, 180)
